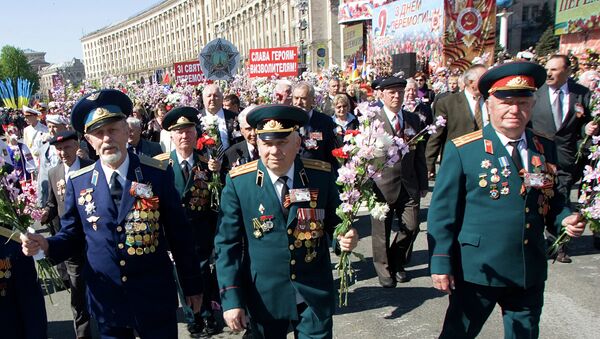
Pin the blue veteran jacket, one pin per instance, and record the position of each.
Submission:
(280, 256)
(22, 309)
(128, 271)
(484, 225)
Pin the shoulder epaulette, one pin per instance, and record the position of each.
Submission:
(243, 169)
(317, 165)
(81, 171)
(153, 162)
(467, 138)
(162, 156)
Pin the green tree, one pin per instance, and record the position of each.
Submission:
(14, 65)
(548, 43)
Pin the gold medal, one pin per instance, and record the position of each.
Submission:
(131, 251)
(152, 248)
(143, 226)
(308, 258)
(1, 274)
(156, 242)
(138, 238)
(300, 236)
(314, 234)
(313, 204)
(150, 215)
(143, 215)
(307, 235)
(192, 189)
(192, 207)
(7, 274)
(308, 243)
(495, 178)
(81, 201)
(156, 214)
(297, 243)
(147, 250)
(139, 251)
(482, 183)
(88, 197)
(129, 239)
(146, 238)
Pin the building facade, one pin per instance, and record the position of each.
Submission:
(67, 72)
(523, 29)
(36, 59)
(150, 42)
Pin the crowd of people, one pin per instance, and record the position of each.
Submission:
(127, 190)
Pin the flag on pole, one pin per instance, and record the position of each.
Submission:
(363, 73)
(355, 72)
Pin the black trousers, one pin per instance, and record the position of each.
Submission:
(392, 249)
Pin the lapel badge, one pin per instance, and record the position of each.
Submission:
(261, 209)
(259, 178)
(489, 147)
(536, 161)
(93, 220)
(95, 177)
(303, 177)
(138, 174)
(486, 163)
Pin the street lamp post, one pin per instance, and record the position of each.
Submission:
(302, 24)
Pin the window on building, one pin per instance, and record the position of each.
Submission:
(525, 14)
(534, 12)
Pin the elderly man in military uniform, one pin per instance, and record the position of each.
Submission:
(66, 145)
(192, 173)
(125, 213)
(495, 194)
(272, 252)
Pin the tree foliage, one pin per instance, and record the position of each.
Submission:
(14, 65)
(548, 43)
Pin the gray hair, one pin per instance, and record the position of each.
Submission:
(243, 114)
(411, 81)
(134, 122)
(471, 74)
(307, 86)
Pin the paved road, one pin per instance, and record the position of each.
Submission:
(416, 310)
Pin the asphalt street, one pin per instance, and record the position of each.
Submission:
(416, 310)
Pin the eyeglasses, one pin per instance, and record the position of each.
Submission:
(419, 80)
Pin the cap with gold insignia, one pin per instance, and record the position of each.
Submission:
(180, 117)
(30, 111)
(513, 79)
(276, 121)
(99, 108)
(63, 136)
(391, 82)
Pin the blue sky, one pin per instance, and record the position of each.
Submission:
(55, 26)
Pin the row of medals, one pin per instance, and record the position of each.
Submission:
(308, 233)
(200, 197)
(141, 231)
(495, 179)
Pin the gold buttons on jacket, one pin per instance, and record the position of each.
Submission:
(123, 278)
(119, 229)
(291, 247)
(290, 231)
(526, 209)
(122, 262)
(293, 277)
(120, 246)
(526, 241)
(528, 225)
(293, 262)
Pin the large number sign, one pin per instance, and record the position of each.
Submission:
(266, 62)
(188, 72)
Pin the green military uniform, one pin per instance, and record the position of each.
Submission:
(486, 228)
(278, 267)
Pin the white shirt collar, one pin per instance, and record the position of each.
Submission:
(121, 170)
(564, 88)
(74, 166)
(391, 115)
(505, 140)
(189, 159)
(289, 173)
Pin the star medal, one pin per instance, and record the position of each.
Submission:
(93, 220)
(504, 164)
(90, 207)
(486, 164)
(482, 182)
(504, 190)
(505, 172)
(494, 194)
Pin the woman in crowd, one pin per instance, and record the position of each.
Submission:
(152, 131)
(423, 92)
(412, 103)
(343, 119)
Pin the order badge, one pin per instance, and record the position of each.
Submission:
(299, 195)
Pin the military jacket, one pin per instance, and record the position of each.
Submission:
(22, 309)
(486, 221)
(128, 272)
(280, 255)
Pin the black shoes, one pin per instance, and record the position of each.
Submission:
(402, 277)
(211, 326)
(204, 327)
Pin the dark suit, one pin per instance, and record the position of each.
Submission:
(265, 271)
(318, 139)
(22, 309)
(128, 272)
(145, 147)
(236, 155)
(490, 236)
(459, 121)
(568, 136)
(399, 186)
(56, 208)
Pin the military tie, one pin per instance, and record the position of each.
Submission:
(477, 114)
(116, 190)
(185, 170)
(516, 155)
(557, 109)
(284, 191)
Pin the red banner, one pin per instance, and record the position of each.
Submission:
(266, 62)
(188, 72)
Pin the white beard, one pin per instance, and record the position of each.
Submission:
(111, 159)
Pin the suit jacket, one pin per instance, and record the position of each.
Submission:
(275, 264)
(570, 133)
(22, 309)
(236, 155)
(410, 173)
(319, 129)
(459, 121)
(56, 196)
(148, 148)
(327, 106)
(493, 241)
(128, 272)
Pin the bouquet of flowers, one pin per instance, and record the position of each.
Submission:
(366, 152)
(211, 139)
(589, 194)
(18, 211)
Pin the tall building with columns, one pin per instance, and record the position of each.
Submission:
(150, 42)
